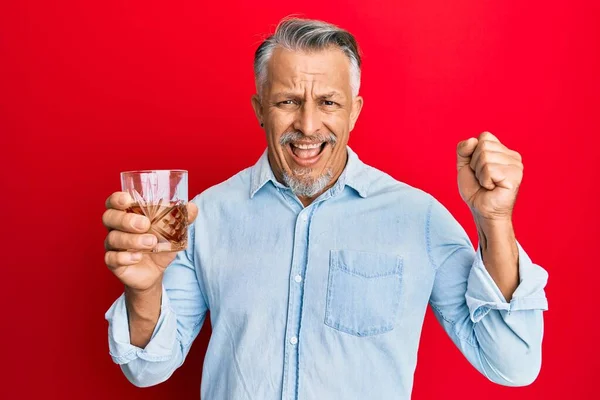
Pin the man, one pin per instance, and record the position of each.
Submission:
(316, 268)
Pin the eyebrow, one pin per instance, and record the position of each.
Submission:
(330, 94)
(297, 95)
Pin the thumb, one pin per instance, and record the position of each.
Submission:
(464, 151)
(192, 210)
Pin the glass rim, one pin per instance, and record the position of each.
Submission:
(147, 171)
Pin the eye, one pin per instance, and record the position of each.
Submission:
(287, 103)
(328, 103)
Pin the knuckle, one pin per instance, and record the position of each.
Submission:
(108, 258)
(484, 157)
(134, 241)
(116, 259)
(106, 218)
(518, 156)
(121, 240)
(479, 173)
(125, 241)
(112, 239)
(123, 257)
(118, 200)
(113, 198)
(127, 220)
(111, 201)
(113, 218)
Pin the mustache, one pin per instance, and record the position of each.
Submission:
(295, 136)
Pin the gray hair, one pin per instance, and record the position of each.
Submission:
(298, 34)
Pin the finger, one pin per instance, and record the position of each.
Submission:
(505, 176)
(482, 147)
(117, 240)
(464, 151)
(118, 259)
(492, 146)
(488, 136)
(493, 157)
(192, 210)
(124, 221)
(119, 201)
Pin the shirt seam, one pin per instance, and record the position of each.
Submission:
(464, 338)
(197, 271)
(428, 235)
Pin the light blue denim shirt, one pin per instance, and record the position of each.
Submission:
(328, 301)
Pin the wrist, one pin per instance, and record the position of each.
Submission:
(494, 230)
(496, 222)
(144, 304)
(136, 291)
(494, 226)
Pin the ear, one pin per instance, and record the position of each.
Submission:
(258, 109)
(357, 105)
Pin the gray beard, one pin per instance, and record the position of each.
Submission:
(300, 182)
(302, 185)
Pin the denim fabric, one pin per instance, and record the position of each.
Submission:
(327, 301)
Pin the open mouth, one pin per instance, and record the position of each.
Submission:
(307, 154)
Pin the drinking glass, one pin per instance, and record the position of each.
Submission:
(162, 196)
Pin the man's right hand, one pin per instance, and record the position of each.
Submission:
(128, 232)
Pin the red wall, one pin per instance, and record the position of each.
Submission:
(88, 89)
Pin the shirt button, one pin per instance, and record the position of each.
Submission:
(304, 218)
(298, 278)
(294, 340)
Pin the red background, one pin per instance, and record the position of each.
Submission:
(88, 90)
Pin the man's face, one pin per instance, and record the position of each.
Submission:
(308, 112)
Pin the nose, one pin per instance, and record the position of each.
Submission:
(308, 119)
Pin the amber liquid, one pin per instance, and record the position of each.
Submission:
(169, 223)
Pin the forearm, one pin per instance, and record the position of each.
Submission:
(143, 311)
(171, 336)
(500, 253)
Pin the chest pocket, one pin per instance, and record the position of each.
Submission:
(363, 292)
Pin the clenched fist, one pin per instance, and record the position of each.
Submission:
(489, 176)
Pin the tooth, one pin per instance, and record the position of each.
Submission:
(307, 146)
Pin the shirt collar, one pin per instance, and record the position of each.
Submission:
(354, 175)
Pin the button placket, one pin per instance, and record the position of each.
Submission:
(296, 293)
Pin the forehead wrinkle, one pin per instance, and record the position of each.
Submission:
(305, 84)
(291, 71)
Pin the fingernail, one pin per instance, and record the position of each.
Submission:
(139, 223)
(148, 240)
(122, 199)
(136, 256)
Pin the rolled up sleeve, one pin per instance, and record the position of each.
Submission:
(161, 343)
(484, 295)
(503, 340)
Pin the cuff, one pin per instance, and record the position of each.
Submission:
(484, 295)
(160, 347)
